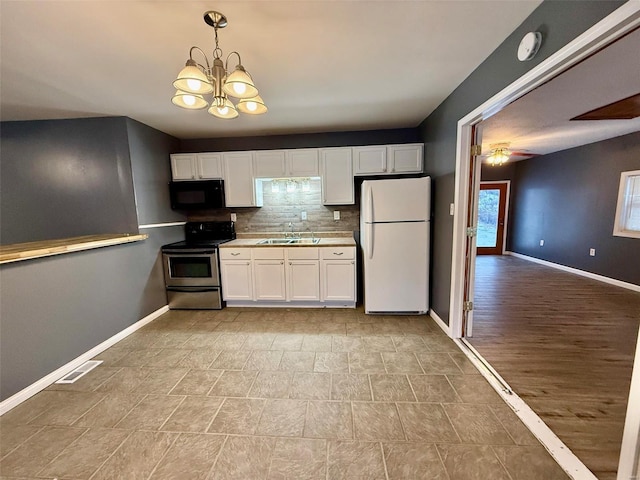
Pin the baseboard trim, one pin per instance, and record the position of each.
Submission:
(563, 456)
(576, 271)
(47, 380)
(440, 322)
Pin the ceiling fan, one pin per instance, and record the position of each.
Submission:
(500, 153)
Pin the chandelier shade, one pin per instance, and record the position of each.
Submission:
(499, 154)
(252, 106)
(196, 80)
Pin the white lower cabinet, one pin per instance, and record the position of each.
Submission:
(237, 274)
(338, 273)
(303, 274)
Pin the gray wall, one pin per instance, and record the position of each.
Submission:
(560, 22)
(65, 178)
(54, 309)
(568, 199)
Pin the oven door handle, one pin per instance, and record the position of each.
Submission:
(193, 289)
(189, 253)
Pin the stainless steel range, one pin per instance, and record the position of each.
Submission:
(191, 267)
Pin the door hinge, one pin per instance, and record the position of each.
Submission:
(472, 232)
(468, 306)
(476, 150)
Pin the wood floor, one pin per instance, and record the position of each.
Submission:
(565, 344)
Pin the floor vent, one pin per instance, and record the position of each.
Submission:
(79, 372)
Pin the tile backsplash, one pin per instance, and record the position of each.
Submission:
(280, 208)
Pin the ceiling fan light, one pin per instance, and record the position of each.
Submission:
(188, 100)
(499, 156)
(226, 111)
(252, 106)
(192, 80)
(239, 84)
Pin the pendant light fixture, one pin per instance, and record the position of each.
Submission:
(499, 154)
(196, 80)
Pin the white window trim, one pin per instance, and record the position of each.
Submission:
(618, 230)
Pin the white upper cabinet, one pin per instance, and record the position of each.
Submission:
(183, 166)
(286, 163)
(405, 158)
(302, 162)
(370, 160)
(196, 166)
(238, 181)
(336, 169)
(388, 159)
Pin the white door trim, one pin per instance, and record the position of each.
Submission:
(615, 25)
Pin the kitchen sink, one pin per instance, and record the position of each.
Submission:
(311, 241)
(274, 241)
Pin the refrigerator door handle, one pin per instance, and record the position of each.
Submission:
(369, 204)
(369, 234)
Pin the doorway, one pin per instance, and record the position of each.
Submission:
(492, 216)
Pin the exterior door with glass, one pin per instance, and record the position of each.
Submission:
(492, 212)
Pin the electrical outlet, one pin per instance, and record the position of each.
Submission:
(234, 217)
(592, 252)
(542, 243)
(452, 209)
(336, 214)
(303, 215)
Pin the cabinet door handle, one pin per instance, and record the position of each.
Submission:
(338, 253)
(248, 263)
(290, 263)
(235, 254)
(352, 263)
(282, 263)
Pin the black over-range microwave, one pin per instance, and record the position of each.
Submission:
(198, 195)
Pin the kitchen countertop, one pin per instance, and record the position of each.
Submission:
(25, 251)
(327, 239)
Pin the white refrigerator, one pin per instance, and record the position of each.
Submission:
(394, 235)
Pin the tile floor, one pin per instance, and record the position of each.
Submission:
(274, 394)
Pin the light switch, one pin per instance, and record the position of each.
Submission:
(336, 214)
(234, 217)
(452, 209)
(592, 252)
(303, 215)
(542, 243)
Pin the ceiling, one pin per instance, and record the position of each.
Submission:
(320, 65)
(540, 122)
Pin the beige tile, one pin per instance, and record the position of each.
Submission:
(376, 421)
(172, 340)
(31, 408)
(332, 329)
(529, 463)
(433, 388)
(316, 343)
(512, 424)
(230, 360)
(402, 362)
(300, 459)
(110, 410)
(88, 382)
(350, 386)
(238, 416)
(474, 389)
(351, 460)
(258, 341)
(426, 422)
(194, 414)
(298, 361)
(361, 362)
(464, 363)
(438, 364)
(150, 413)
(196, 382)
(378, 343)
(477, 424)
(271, 385)
(192, 453)
(138, 358)
(111, 355)
(440, 343)
(287, 341)
(329, 420)
(472, 462)
(204, 341)
(230, 341)
(264, 360)
(347, 343)
(413, 461)
(137, 456)
(310, 386)
(233, 384)
(244, 458)
(86, 454)
(283, 418)
(199, 358)
(125, 380)
(12, 435)
(67, 407)
(409, 343)
(36, 452)
(160, 380)
(331, 362)
(391, 388)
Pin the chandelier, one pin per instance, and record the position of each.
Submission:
(499, 154)
(196, 80)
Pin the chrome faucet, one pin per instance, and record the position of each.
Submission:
(313, 237)
(291, 234)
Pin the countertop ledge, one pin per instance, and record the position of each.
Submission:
(26, 251)
(327, 239)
